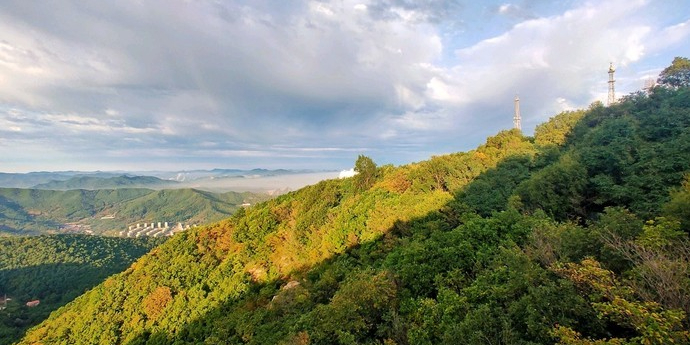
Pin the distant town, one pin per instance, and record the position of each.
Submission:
(154, 229)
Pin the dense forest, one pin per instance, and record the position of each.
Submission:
(54, 270)
(577, 235)
(34, 211)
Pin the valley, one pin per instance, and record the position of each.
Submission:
(56, 242)
(555, 238)
(329, 172)
(109, 211)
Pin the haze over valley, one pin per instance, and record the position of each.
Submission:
(216, 180)
(385, 172)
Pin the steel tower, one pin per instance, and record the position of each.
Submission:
(517, 119)
(612, 90)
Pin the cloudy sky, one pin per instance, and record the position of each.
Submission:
(165, 84)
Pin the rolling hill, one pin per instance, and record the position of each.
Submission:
(35, 211)
(575, 236)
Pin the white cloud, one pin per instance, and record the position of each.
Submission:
(408, 98)
(505, 8)
(674, 34)
(347, 173)
(438, 89)
(321, 8)
(306, 78)
(112, 112)
(545, 58)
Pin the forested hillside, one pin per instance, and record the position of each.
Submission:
(33, 211)
(577, 234)
(54, 270)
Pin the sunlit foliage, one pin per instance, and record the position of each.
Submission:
(571, 237)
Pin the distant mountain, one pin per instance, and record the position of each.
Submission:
(578, 235)
(215, 180)
(96, 182)
(193, 175)
(39, 211)
(28, 180)
(31, 179)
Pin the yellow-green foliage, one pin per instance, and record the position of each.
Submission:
(679, 205)
(268, 242)
(652, 323)
(34, 211)
(456, 249)
(556, 130)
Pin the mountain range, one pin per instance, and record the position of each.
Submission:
(576, 235)
(95, 182)
(64, 180)
(109, 211)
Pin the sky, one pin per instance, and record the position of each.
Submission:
(174, 85)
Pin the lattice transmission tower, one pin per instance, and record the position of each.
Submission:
(612, 89)
(517, 119)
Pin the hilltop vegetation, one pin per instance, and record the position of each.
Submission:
(55, 270)
(578, 235)
(33, 211)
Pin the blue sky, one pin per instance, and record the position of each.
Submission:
(151, 85)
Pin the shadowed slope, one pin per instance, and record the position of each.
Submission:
(407, 260)
(55, 270)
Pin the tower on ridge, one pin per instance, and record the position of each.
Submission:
(649, 84)
(517, 119)
(612, 91)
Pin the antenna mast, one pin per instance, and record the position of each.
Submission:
(649, 85)
(612, 91)
(517, 119)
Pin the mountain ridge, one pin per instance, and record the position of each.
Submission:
(31, 179)
(92, 183)
(35, 211)
(500, 244)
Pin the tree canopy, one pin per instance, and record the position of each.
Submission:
(54, 270)
(676, 75)
(366, 172)
(571, 237)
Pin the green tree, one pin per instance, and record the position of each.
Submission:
(557, 189)
(366, 173)
(679, 205)
(644, 322)
(557, 129)
(677, 75)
